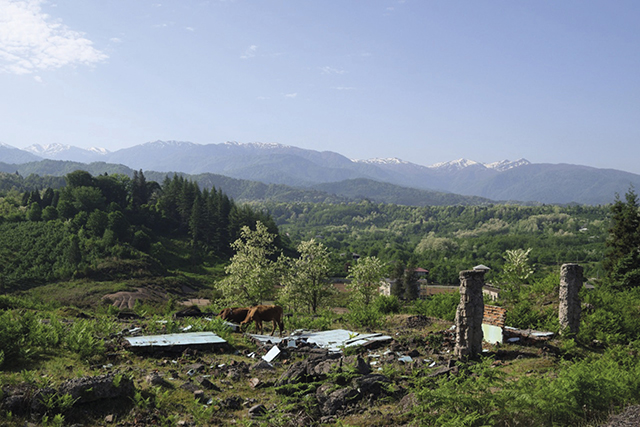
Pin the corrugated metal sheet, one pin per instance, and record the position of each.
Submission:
(333, 340)
(168, 340)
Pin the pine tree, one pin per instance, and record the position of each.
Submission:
(622, 259)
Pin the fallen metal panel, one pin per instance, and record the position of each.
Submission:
(168, 340)
(333, 340)
(271, 354)
(492, 334)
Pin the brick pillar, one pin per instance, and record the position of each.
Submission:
(569, 310)
(469, 314)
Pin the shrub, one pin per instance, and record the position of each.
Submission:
(442, 306)
(364, 316)
(387, 304)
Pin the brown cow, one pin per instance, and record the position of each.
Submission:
(265, 313)
(234, 314)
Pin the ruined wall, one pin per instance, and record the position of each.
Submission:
(569, 310)
(494, 315)
(469, 314)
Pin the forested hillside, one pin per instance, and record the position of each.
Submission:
(448, 239)
(110, 226)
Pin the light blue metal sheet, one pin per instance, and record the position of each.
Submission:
(333, 340)
(190, 338)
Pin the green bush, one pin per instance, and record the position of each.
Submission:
(364, 316)
(611, 317)
(387, 304)
(321, 321)
(442, 306)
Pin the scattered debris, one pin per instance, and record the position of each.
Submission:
(272, 354)
(334, 340)
(527, 335)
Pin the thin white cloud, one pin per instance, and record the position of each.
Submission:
(190, 29)
(250, 52)
(290, 95)
(344, 88)
(31, 40)
(38, 79)
(330, 70)
(115, 40)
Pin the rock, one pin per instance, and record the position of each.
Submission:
(322, 369)
(24, 399)
(314, 368)
(254, 382)
(262, 365)
(322, 392)
(195, 368)
(295, 374)
(155, 379)
(91, 389)
(204, 382)
(232, 403)
(109, 419)
(16, 399)
(408, 402)
(362, 367)
(338, 400)
(257, 411)
(189, 386)
(193, 311)
(370, 386)
(199, 396)
(234, 375)
(443, 370)
(358, 362)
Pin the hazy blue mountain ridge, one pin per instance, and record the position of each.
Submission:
(297, 167)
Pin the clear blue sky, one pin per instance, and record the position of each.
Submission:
(425, 81)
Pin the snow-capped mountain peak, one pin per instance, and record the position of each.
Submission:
(261, 145)
(504, 165)
(47, 149)
(170, 143)
(99, 150)
(454, 164)
(499, 166)
(382, 161)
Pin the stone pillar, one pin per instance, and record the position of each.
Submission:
(469, 314)
(569, 310)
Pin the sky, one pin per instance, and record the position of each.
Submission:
(421, 80)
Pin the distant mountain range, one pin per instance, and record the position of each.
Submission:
(518, 181)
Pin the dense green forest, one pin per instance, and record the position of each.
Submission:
(448, 239)
(110, 226)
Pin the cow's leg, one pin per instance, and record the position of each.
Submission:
(274, 327)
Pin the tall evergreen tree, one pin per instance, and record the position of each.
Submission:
(622, 259)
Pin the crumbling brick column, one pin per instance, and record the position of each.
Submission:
(469, 314)
(569, 310)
